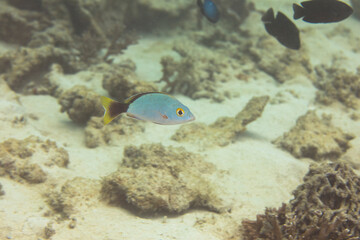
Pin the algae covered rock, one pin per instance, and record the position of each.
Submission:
(171, 7)
(325, 206)
(224, 130)
(75, 195)
(155, 178)
(96, 133)
(121, 81)
(288, 65)
(80, 104)
(197, 74)
(26, 159)
(23, 68)
(17, 26)
(315, 138)
(337, 84)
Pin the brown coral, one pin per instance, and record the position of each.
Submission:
(225, 130)
(80, 104)
(325, 207)
(20, 159)
(338, 84)
(315, 138)
(154, 178)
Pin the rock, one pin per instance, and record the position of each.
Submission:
(26, 159)
(121, 81)
(77, 194)
(96, 133)
(17, 26)
(224, 130)
(315, 138)
(197, 74)
(288, 65)
(155, 178)
(80, 104)
(23, 69)
(337, 84)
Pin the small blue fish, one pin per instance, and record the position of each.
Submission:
(155, 107)
(209, 10)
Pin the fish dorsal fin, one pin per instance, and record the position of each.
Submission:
(268, 17)
(308, 4)
(136, 96)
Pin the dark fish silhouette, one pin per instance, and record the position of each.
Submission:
(209, 10)
(322, 11)
(282, 28)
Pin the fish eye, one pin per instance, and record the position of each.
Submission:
(180, 112)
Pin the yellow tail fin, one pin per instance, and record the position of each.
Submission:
(112, 109)
(106, 102)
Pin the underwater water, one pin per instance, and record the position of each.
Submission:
(247, 126)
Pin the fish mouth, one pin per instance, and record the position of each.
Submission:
(192, 118)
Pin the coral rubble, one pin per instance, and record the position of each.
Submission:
(22, 159)
(17, 26)
(50, 33)
(75, 195)
(288, 65)
(197, 74)
(315, 138)
(155, 178)
(325, 207)
(121, 81)
(234, 13)
(24, 68)
(97, 134)
(224, 130)
(80, 104)
(335, 83)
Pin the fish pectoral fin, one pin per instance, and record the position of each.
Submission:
(133, 116)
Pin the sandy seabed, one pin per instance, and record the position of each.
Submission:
(252, 173)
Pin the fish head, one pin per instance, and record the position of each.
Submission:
(340, 11)
(179, 113)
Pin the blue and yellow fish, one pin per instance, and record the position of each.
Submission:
(209, 10)
(155, 107)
